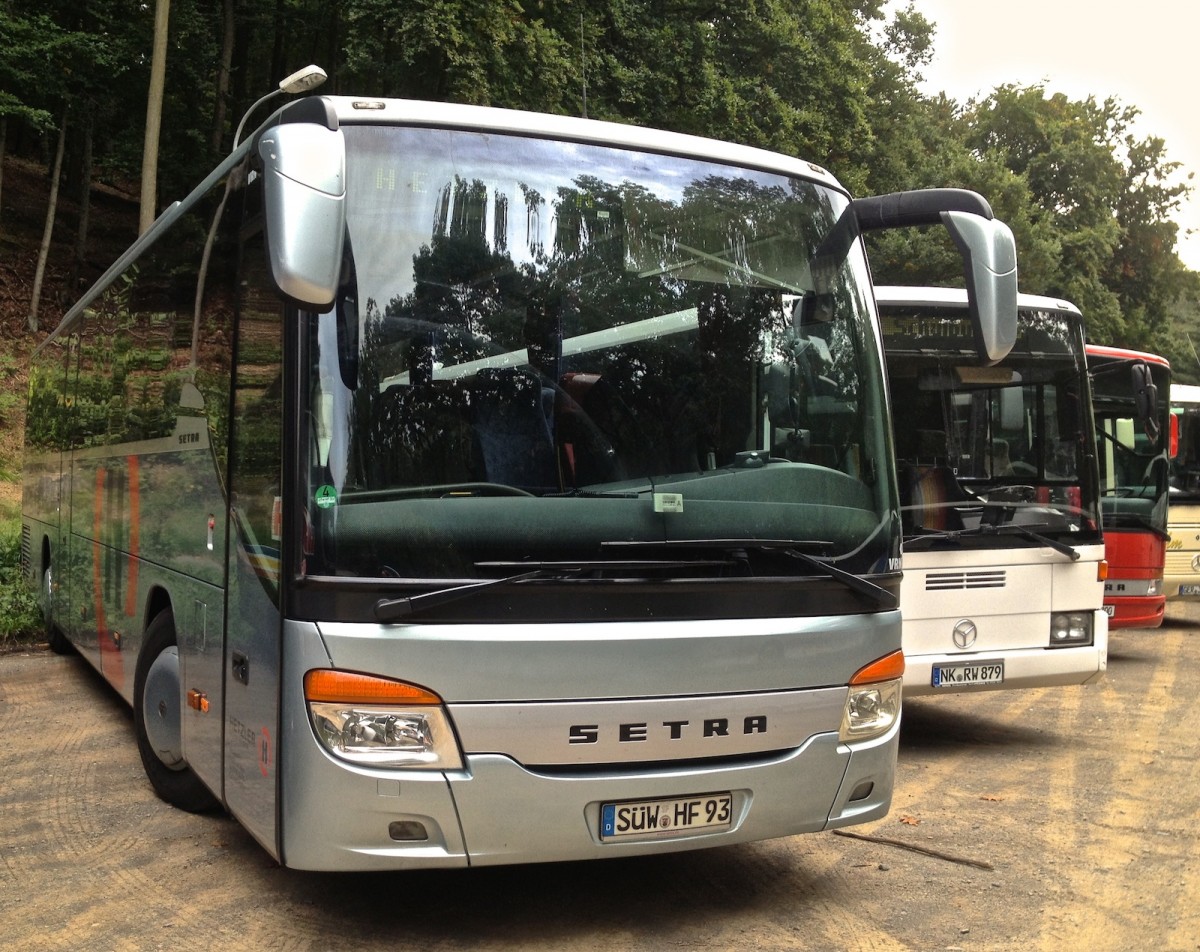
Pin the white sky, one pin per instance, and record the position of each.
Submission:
(1145, 54)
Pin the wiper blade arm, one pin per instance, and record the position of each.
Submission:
(393, 609)
(1037, 537)
(616, 565)
(793, 549)
(1130, 520)
(590, 494)
(881, 596)
(1012, 528)
(820, 545)
(1008, 528)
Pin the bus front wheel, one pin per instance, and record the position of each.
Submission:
(158, 720)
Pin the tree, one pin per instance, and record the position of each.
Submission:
(48, 231)
(919, 141)
(25, 40)
(487, 54)
(1105, 196)
(154, 100)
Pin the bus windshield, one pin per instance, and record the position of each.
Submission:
(986, 448)
(549, 353)
(1185, 465)
(1133, 446)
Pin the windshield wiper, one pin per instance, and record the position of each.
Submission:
(1131, 520)
(792, 549)
(725, 545)
(393, 609)
(1012, 528)
(881, 596)
(590, 494)
(1008, 528)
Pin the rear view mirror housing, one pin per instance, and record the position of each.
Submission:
(1145, 395)
(304, 180)
(988, 250)
(989, 254)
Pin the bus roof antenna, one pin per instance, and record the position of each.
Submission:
(301, 81)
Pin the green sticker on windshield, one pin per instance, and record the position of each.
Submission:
(326, 497)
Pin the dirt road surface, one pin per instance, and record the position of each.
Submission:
(1053, 820)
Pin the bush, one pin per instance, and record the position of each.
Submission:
(20, 617)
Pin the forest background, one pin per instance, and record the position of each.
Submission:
(833, 81)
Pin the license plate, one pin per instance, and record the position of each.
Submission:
(1189, 589)
(672, 817)
(1110, 610)
(965, 675)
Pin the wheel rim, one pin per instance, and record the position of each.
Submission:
(160, 709)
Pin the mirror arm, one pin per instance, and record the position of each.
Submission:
(922, 207)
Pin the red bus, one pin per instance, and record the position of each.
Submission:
(1130, 396)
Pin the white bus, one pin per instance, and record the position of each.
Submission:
(450, 486)
(1003, 552)
(1181, 571)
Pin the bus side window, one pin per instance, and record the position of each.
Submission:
(255, 478)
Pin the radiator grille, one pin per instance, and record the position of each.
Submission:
(955, 581)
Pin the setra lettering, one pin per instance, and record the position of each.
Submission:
(716, 727)
(635, 732)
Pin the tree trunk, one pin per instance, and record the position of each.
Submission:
(223, 71)
(48, 232)
(154, 100)
(3, 137)
(278, 57)
(85, 208)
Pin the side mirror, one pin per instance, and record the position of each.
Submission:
(1145, 395)
(304, 181)
(988, 250)
(989, 254)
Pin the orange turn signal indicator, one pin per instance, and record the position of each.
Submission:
(348, 687)
(887, 668)
(1102, 570)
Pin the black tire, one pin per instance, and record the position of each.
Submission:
(54, 637)
(158, 718)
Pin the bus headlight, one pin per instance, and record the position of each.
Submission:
(1069, 629)
(873, 701)
(377, 722)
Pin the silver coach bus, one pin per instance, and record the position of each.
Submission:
(451, 486)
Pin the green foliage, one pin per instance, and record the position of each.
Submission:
(832, 81)
(20, 618)
(26, 39)
(1182, 320)
(10, 403)
(1104, 195)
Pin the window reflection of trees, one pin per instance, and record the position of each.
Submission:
(730, 249)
